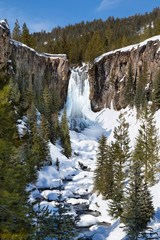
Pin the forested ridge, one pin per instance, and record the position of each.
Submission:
(84, 41)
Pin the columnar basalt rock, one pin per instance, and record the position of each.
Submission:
(37, 67)
(108, 76)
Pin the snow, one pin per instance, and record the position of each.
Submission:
(45, 55)
(129, 48)
(87, 221)
(3, 24)
(76, 173)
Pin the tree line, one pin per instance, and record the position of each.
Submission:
(85, 41)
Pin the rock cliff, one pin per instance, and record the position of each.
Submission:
(108, 76)
(32, 66)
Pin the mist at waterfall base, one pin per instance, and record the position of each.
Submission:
(78, 103)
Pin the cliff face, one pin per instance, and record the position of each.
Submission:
(108, 76)
(33, 67)
(4, 44)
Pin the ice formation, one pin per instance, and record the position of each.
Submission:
(78, 103)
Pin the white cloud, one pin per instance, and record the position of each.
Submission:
(106, 4)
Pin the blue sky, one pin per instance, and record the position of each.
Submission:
(47, 14)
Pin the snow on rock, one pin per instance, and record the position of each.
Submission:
(46, 55)
(52, 195)
(46, 175)
(129, 48)
(97, 203)
(75, 201)
(87, 221)
(3, 24)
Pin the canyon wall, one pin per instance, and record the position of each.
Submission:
(33, 67)
(108, 76)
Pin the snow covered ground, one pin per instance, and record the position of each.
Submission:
(78, 183)
(76, 173)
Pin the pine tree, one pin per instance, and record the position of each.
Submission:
(48, 111)
(64, 135)
(63, 221)
(39, 145)
(130, 88)
(99, 176)
(121, 163)
(47, 101)
(109, 174)
(14, 207)
(44, 129)
(95, 47)
(26, 38)
(140, 96)
(16, 34)
(157, 26)
(156, 90)
(25, 34)
(15, 94)
(147, 145)
(138, 207)
(43, 222)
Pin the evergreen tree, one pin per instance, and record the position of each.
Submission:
(26, 38)
(44, 129)
(43, 223)
(39, 147)
(64, 135)
(63, 221)
(48, 111)
(15, 94)
(109, 174)
(147, 145)
(25, 34)
(121, 163)
(14, 207)
(99, 178)
(138, 207)
(96, 43)
(47, 101)
(156, 90)
(157, 26)
(140, 96)
(130, 88)
(16, 34)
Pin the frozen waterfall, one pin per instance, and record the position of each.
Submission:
(78, 103)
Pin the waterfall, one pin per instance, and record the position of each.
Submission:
(78, 103)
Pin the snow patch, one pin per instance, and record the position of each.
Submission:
(129, 48)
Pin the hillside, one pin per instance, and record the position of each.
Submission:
(79, 40)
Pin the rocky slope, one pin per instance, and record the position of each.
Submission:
(33, 67)
(108, 75)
